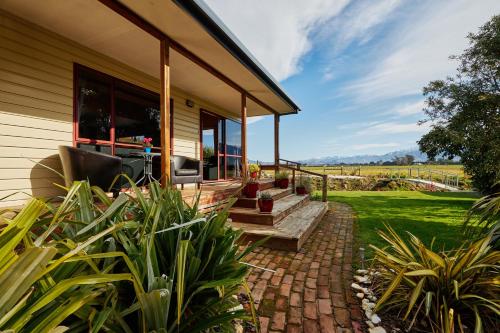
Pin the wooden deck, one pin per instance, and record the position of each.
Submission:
(218, 192)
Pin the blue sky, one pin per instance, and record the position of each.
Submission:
(355, 67)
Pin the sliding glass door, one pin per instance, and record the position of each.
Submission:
(233, 148)
(221, 147)
(210, 144)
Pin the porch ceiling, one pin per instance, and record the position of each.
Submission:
(97, 27)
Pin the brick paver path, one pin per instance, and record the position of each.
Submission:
(310, 291)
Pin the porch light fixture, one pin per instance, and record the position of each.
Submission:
(189, 103)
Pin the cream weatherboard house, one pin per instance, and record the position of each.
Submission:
(102, 74)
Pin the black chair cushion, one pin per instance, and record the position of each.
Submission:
(186, 172)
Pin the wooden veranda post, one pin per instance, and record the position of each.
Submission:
(165, 110)
(277, 141)
(244, 135)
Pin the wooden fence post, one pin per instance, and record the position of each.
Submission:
(325, 187)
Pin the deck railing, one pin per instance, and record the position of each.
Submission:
(297, 167)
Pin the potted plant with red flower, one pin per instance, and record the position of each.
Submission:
(281, 179)
(251, 188)
(254, 170)
(266, 202)
(148, 143)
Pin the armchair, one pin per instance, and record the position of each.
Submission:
(98, 168)
(185, 170)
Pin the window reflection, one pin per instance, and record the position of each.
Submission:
(133, 114)
(137, 115)
(94, 107)
(233, 137)
(233, 167)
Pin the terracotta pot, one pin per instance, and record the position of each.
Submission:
(253, 175)
(266, 206)
(282, 183)
(251, 190)
(301, 190)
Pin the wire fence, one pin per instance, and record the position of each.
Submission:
(424, 173)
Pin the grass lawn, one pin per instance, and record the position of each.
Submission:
(425, 214)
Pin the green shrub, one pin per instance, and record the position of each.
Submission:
(484, 217)
(306, 183)
(44, 282)
(281, 175)
(266, 196)
(447, 290)
(185, 267)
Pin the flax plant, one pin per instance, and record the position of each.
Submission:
(41, 285)
(188, 263)
(451, 291)
(484, 217)
(137, 263)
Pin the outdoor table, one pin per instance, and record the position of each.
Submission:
(148, 166)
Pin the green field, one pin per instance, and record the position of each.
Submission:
(425, 214)
(386, 170)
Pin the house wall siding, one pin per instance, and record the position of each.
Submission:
(36, 106)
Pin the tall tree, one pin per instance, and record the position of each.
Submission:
(464, 110)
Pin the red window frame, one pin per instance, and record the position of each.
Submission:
(111, 80)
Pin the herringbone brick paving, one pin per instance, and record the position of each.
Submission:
(310, 289)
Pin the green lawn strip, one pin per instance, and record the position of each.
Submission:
(425, 214)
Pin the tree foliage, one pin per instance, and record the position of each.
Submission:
(404, 160)
(464, 110)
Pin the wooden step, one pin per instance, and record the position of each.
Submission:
(281, 209)
(291, 232)
(266, 184)
(276, 193)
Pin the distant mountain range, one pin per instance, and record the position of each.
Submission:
(419, 157)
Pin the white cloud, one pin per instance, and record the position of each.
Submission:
(418, 51)
(278, 32)
(406, 109)
(365, 146)
(358, 22)
(356, 125)
(394, 128)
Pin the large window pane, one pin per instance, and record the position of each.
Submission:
(221, 136)
(137, 115)
(233, 138)
(94, 106)
(222, 167)
(210, 139)
(233, 167)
